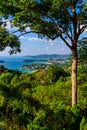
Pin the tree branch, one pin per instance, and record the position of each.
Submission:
(65, 41)
(25, 33)
(69, 36)
(70, 30)
(83, 28)
(14, 32)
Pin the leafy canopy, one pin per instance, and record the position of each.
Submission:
(82, 50)
(49, 18)
(8, 40)
(66, 19)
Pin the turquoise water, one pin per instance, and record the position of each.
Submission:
(16, 63)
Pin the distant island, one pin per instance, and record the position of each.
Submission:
(34, 60)
(49, 56)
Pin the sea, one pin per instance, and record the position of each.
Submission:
(16, 62)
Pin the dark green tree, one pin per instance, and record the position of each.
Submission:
(54, 73)
(8, 40)
(82, 51)
(65, 19)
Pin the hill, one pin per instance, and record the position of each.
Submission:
(50, 56)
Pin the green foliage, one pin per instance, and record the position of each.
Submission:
(27, 104)
(82, 85)
(46, 17)
(54, 73)
(83, 124)
(8, 40)
(82, 50)
(2, 68)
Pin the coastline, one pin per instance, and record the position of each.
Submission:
(16, 62)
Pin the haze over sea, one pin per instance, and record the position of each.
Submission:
(16, 62)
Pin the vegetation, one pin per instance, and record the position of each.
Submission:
(35, 66)
(82, 50)
(42, 100)
(48, 19)
(8, 40)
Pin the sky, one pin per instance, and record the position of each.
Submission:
(32, 45)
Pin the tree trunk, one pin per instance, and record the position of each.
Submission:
(74, 75)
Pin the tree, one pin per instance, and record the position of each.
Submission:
(65, 19)
(8, 40)
(82, 51)
(54, 73)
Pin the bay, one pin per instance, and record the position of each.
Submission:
(16, 62)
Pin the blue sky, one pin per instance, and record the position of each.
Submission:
(32, 45)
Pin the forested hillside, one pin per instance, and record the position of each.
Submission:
(42, 100)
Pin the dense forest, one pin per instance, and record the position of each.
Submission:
(42, 100)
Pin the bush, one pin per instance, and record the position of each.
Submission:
(54, 73)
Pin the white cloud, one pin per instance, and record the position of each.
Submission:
(51, 41)
(47, 48)
(62, 42)
(62, 49)
(31, 38)
(37, 39)
(27, 29)
(85, 30)
(8, 25)
(52, 44)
